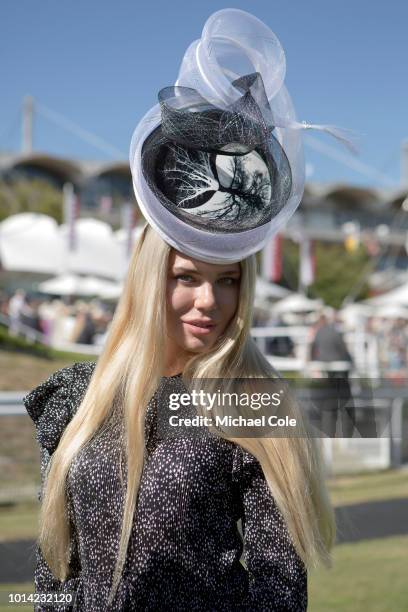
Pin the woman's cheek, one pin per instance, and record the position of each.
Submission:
(185, 302)
(179, 299)
(230, 300)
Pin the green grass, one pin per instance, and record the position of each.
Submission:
(366, 577)
(21, 371)
(26, 587)
(21, 345)
(19, 522)
(388, 484)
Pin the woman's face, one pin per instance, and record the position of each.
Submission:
(201, 301)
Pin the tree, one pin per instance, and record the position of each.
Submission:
(337, 271)
(26, 195)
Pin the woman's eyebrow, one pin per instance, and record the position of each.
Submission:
(223, 273)
(182, 269)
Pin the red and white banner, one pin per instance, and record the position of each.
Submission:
(272, 259)
(105, 205)
(128, 223)
(71, 206)
(307, 263)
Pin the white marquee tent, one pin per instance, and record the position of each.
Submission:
(31, 242)
(396, 297)
(71, 284)
(296, 302)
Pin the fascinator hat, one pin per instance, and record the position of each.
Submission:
(217, 165)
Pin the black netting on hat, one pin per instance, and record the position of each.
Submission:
(191, 121)
(218, 170)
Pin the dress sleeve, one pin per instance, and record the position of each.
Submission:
(50, 408)
(277, 575)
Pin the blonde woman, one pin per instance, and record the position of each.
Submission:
(132, 518)
(154, 522)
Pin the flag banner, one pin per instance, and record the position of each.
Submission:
(105, 205)
(71, 207)
(128, 222)
(307, 263)
(272, 259)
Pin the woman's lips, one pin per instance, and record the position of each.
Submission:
(200, 328)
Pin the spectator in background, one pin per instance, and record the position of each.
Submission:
(46, 311)
(30, 314)
(280, 346)
(4, 303)
(15, 308)
(62, 323)
(329, 347)
(85, 328)
(396, 350)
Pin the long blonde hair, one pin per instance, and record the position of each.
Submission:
(127, 374)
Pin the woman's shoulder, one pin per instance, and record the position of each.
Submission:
(244, 464)
(53, 403)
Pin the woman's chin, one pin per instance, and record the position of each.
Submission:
(198, 345)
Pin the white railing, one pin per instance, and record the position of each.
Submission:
(363, 348)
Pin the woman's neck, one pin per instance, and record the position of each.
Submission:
(175, 361)
(169, 372)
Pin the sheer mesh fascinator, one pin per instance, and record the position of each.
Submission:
(218, 165)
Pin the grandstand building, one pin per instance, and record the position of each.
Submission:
(326, 213)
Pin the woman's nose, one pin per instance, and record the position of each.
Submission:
(205, 297)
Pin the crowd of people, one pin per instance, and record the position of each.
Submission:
(332, 339)
(58, 320)
(392, 345)
(72, 320)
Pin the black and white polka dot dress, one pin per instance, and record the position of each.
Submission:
(185, 548)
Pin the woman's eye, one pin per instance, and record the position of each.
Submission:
(228, 280)
(185, 277)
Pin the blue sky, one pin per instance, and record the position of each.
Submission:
(100, 65)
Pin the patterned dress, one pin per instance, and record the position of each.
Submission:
(185, 549)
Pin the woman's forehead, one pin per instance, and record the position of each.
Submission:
(180, 260)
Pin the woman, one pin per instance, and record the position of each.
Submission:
(169, 515)
(133, 518)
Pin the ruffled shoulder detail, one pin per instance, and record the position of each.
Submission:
(54, 402)
(244, 465)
